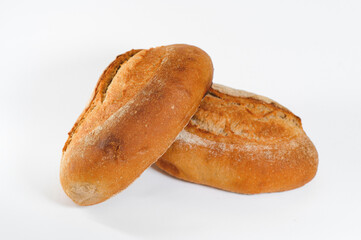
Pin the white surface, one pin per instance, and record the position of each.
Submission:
(304, 54)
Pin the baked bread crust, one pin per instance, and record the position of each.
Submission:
(140, 104)
(244, 143)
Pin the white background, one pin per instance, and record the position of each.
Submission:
(304, 54)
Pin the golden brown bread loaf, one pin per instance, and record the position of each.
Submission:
(140, 104)
(244, 143)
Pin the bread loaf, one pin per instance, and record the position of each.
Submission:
(244, 143)
(140, 104)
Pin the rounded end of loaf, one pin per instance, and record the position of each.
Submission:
(294, 164)
(84, 194)
(197, 60)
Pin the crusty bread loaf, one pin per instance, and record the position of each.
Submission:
(140, 104)
(244, 143)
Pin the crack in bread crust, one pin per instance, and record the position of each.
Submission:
(101, 90)
(242, 115)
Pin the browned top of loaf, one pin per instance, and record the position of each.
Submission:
(236, 116)
(116, 87)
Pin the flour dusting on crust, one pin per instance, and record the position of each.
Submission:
(268, 152)
(244, 94)
(192, 140)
